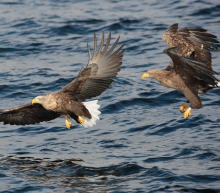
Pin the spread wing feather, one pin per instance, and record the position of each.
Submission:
(190, 69)
(193, 42)
(27, 114)
(102, 67)
(190, 36)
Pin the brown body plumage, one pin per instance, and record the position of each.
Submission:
(191, 68)
(92, 80)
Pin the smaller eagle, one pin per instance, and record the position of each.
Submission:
(191, 68)
(69, 102)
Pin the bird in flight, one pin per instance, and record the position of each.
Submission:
(70, 102)
(191, 68)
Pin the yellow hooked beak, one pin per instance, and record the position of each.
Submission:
(145, 75)
(34, 101)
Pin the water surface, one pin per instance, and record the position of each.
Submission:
(142, 143)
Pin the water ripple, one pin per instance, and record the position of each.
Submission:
(141, 143)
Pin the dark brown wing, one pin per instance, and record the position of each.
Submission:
(200, 37)
(193, 72)
(195, 43)
(196, 75)
(26, 115)
(97, 75)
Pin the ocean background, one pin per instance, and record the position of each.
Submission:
(142, 143)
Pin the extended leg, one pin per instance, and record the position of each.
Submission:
(187, 113)
(81, 120)
(183, 107)
(67, 122)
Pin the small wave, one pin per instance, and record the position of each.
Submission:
(139, 129)
(66, 167)
(5, 50)
(114, 143)
(207, 156)
(180, 188)
(68, 29)
(186, 153)
(118, 106)
(88, 21)
(123, 23)
(211, 11)
(21, 50)
(7, 2)
(37, 129)
(26, 23)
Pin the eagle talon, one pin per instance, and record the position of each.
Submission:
(187, 113)
(68, 124)
(183, 108)
(81, 120)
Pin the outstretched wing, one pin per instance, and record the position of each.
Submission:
(27, 114)
(196, 76)
(96, 77)
(193, 42)
(191, 71)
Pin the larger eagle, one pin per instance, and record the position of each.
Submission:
(69, 102)
(191, 68)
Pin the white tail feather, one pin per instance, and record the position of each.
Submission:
(93, 108)
(217, 84)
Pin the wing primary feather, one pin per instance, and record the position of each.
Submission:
(206, 38)
(108, 42)
(207, 44)
(89, 52)
(26, 114)
(200, 66)
(95, 45)
(113, 46)
(173, 27)
(204, 34)
(103, 66)
(102, 42)
(196, 65)
(195, 29)
(117, 52)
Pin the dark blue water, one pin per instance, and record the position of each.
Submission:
(142, 143)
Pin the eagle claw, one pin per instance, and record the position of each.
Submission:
(187, 113)
(81, 120)
(68, 124)
(182, 107)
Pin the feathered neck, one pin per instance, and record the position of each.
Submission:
(158, 74)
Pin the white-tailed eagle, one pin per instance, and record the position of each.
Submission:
(191, 68)
(92, 80)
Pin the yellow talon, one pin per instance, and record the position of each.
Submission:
(68, 124)
(183, 107)
(187, 113)
(81, 120)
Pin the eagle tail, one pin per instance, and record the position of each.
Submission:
(93, 108)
